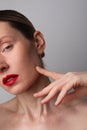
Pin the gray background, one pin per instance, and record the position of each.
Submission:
(64, 25)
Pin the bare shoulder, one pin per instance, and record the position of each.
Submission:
(75, 108)
(82, 106)
(1, 109)
(81, 103)
(3, 114)
(8, 106)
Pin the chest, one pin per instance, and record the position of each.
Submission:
(67, 120)
(72, 123)
(75, 125)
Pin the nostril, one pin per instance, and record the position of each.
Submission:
(3, 68)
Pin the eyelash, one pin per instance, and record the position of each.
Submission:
(7, 48)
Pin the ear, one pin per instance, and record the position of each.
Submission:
(39, 43)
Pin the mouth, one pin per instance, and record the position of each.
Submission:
(10, 79)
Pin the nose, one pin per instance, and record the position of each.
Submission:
(3, 67)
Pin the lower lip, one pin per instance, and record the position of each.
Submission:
(11, 82)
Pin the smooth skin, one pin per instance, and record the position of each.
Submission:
(19, 55)
(61, 86)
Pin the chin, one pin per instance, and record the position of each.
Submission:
(23, 86)
(17, 89)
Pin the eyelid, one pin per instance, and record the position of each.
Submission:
(5, 43)
(4, 46)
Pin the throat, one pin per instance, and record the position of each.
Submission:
(33, 112)
(31, 106)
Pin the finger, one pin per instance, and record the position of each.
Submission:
(51, 94)
(78, 93)
(59, 84)
(46, 90)
(64, 91)
(50, 74)
(60, 96)
(70, 97)
(42, 92)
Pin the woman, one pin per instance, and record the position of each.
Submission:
(21, 51)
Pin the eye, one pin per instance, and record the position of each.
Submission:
(6, 48)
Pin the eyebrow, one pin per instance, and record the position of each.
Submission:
(10, 36)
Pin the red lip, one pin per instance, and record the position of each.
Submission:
(10, 79)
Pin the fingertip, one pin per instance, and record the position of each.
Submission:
(37, 67)
(35, 95)
(43, 102)
(57, 103)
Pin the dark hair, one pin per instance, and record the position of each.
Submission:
(18, 21)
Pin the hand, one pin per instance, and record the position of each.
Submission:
(62, 84)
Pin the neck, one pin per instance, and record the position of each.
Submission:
(31, 106)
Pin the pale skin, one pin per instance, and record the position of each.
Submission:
(25, 111)
(61, 86)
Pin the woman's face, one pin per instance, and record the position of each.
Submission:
(18, 58)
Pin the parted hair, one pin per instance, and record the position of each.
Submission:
(18, 21)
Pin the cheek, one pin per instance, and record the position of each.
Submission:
(27, 79)
(23, 61)
(29, 74)
(24, 65)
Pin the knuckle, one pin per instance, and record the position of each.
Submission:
(74, 75)
(70, 73)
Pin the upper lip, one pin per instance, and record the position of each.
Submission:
(7, 77)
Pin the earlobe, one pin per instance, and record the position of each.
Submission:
(39, 43)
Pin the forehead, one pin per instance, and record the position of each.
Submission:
(6, 30)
